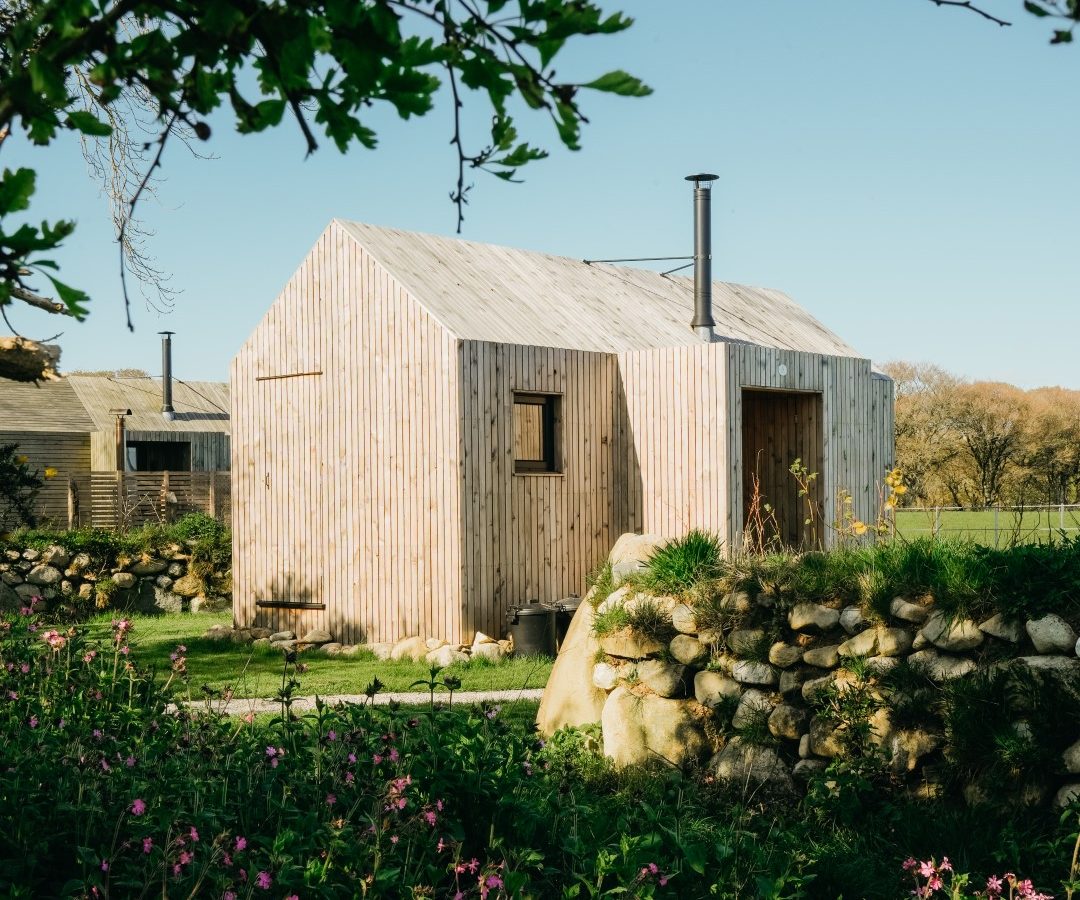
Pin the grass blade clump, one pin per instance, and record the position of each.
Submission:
(683, 563)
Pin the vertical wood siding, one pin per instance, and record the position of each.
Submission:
(535, 536)
(346, 483)
(675, 450)
(69, 454)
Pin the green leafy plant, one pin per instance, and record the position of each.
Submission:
(679, 565)
(19, 487)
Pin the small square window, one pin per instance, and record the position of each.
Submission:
(536, 427)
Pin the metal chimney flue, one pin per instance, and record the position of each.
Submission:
(167, 412)
(703, 322)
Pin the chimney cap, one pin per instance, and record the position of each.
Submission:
(701, 177)
(166, 332)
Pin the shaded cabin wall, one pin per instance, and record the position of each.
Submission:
(857, 423)
(536, 536)
(676, 451)
(346, 479)
(69, 454)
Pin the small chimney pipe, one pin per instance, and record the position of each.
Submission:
(167, 412)
(703, 322)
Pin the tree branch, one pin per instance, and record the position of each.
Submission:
(39, 302)
(968, 5)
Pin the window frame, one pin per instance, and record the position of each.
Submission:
(551, 432)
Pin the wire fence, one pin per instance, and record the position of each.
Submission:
(997, 526)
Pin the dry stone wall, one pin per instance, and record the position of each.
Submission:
(146, 583)
(752, 692)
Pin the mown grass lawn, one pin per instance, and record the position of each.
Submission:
(983, 526)
(256, 671)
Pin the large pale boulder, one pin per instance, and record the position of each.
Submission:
(745, 763)
(491, 651)
(748, 672)
(637, 729)
(784, 655)
(631, 553)
(148, 567)
(445, 656)
(904, 609)
(683, 619)
(1050, 634)
(187, 586)
(56, 556)
(663, 678)
(570, 697)
(822, 657)
(853, 620)
(124, 580)
(745, 641)
(942, 666)
(605, 676)
(318, 636)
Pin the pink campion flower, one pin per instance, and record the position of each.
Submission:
(138, 807)
(376, 759)
(293, 897)
(240, 844)
(104, 865)
(25, 668)
(926, 869)
(459, 896)
(439, 805)
(331, 799)
(194, 835)
(125, 649)
(493, 881)
(473, 864)
(263, 880)
(54, 639)
(662, 881)
(13, 695)
(440, 846)
(130, 762)
(352, 758)
(1025, 888)
(909, 864)
(89, 656)
(186, 858)
(331, 735)
(96, 734)
(147, 844)
(945, 866)
(653, 868)
(226, 859)
(105, 765)
(935, 883)
(394, 839)
(393, 754)
(176, 870)
(429, 817)
(33, 721)
(349, 778)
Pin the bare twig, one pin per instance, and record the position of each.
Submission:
(458, 195)
(39, 302)
(968, 5)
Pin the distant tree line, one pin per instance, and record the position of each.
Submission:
(984, 443)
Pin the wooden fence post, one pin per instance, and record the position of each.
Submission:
(212, 500)
(72, 503)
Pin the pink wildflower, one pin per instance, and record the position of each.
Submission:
(493, 881)
(263, 880)
(241, 844)
(138, 807)
(331, 799)
(33, 721)
(104, 865)
(394, 839)
(147, 844)
(54, 639)
(25, 668)
(229, 895)
(352, 758)
(349, 778)
(194, 835)
(945, 866)
(909, 864)
(393, 754)
(185, 858)
(130, 762)
(429, 817)
(331, 735)
(376, 759)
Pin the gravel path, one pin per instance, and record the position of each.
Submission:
(240, 706)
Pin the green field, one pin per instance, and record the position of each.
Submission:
(256, 671)
(995, 528)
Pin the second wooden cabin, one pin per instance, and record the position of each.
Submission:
(428, 432)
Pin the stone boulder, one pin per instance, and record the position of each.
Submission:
(953, 635)
(628, 644)
(446, 655)
(683, 619)
(753, 704)
(605, 676)
(788, 722)
(9, 600)
(812, 616)
(56, 556)
(744, 763)
(45, 576)
(282, 636)
(908, 747)
(744, 641)
(712, 688)
(852, 620)
(412, 647)
(631, 554)
(687, 650)
(1050, 634)
(381, 650)
(570, 697)
(907, 611)
(823, 657)
(150, 566)
(784, 655)
(494, 652)
(941, 666)
(1003, 629)
(748, 672)
(637, 729)
(187, 586)
(317, 636)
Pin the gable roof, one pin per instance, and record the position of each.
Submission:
(80, 404)
(51, 406)
(491, 293)
(199, 405)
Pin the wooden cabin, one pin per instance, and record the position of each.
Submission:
(428, 431)
(68, 427)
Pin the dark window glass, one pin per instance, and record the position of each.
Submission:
(159, 456)
(536, 432)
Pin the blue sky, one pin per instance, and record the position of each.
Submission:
(905, 172)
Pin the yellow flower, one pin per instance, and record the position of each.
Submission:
(858, 527)
(22, 460)
(50, 472)
(899, 489)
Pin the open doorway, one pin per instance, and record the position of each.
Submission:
(779, 427)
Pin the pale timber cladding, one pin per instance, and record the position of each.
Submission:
(374, 486)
